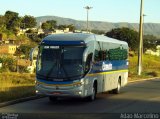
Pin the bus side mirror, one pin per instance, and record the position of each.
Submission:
(33, 53)
(85, 55)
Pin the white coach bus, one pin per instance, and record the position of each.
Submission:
(80, 65)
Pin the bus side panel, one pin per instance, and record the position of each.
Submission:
(100, 82)
(111, 80)
(89, 80)
(124, 79)
(108, 82)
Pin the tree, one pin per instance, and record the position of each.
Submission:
(9, 63)
(49, 25)
(97, 31)
(71, 27)
(2, 23)
(62, 27)
(125, 34)
(35, 38)
(158, 42)
(31, 31)
(45, 26)
(150, 42)
(12, 20)
(52, 23)
(28, 22)
(24, 50)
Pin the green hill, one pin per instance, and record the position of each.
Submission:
(149, 28)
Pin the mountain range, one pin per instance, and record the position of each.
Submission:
(149, 28)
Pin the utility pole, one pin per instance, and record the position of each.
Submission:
(143, 37)
(87, 8)
(140, 40)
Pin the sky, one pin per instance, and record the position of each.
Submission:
(103, 10)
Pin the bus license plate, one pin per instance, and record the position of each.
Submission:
(56, 93)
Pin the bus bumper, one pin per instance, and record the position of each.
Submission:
(76, 91)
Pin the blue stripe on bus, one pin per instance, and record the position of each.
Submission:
(55, 82)
(113, 66)
(48, 42)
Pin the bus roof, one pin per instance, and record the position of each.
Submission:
(102, 38)
(77, 38)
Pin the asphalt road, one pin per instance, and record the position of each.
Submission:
(139, 97)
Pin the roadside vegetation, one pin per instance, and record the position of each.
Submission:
(150, 67)
(16, 85)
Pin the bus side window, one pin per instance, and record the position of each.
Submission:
(100, 55)
(107, 55)
(88, 62)
(96, 56)
(103, 55)
(118, 54)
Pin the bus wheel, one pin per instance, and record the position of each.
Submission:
(93, 96)
(51, 98)
(117, 90)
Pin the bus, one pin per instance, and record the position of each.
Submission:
(80, 65)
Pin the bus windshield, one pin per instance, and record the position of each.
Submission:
(59, 63)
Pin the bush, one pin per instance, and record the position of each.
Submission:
(153, 73)
(8, 63)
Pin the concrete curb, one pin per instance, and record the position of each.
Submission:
(19, 100)
(143, 79)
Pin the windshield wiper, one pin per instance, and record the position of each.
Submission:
(53, 66)
(50, 71)
(66, 73)
(62, 65)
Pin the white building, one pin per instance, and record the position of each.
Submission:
(157, 53)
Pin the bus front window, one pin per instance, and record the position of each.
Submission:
(60, 63)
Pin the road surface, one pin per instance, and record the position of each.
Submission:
(139, 97)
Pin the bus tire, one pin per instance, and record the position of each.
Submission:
(93, 96)
(117, 90)
(52, 99)
(110, 92)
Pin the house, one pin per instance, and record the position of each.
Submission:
(156, 53)
(8, 49)
(40, 31)
(21, 32)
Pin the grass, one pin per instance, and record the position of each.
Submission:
(19, 85)
(16, 85)
(150, 67)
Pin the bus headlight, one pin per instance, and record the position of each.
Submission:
(37, 91)
(78, 92)
(79, 84)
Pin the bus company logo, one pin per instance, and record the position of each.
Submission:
(106, 66)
